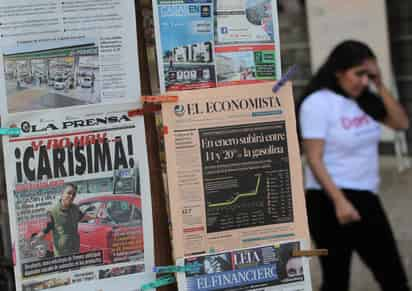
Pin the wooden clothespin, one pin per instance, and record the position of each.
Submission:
(147, 108)
(152, 104)
(159, 99)
(310, 253)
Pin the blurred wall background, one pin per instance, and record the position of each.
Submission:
(295, 46)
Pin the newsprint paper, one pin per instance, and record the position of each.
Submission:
(60, 53)
(216, 43)
(79, 200)
(269, 268)
(234, 169)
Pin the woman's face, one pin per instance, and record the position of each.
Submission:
(356, 79)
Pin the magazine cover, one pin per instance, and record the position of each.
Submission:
(79, 199)
(268, 268)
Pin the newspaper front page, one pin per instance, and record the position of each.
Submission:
(266, 268)
(205, 43)
(234, 170)
(79, 200)
(67, 53)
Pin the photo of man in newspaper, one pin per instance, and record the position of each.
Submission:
(83, 223)
(90, 215)
(72, 220)
(63, 220)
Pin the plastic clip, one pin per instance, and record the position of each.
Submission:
(161, 281)
(173, 269)
(286, 77)
(14, 131)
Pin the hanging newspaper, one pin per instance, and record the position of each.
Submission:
(79, 199)
(205, 43)
(270, 267)
(234, 171)
(66, 53)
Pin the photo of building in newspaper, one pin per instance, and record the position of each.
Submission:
(240, 22)
(79, 198)
(230, 157)
(206, 44)
(187, 45)
(269, 267)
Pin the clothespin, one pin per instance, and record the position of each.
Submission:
(147, 108)
(160, 99)
(310, 253)
(195, 267)
(159, 282)
(286, 77)
(14, 131)
(152, 104)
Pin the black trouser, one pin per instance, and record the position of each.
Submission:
(371, 238)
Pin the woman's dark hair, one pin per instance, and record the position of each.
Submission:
(346, 55)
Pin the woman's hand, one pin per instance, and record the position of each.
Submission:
(36, 238)
(346, 212)
(374, 74)
(396, 115)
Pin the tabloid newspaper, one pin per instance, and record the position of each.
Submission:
(205, 43)
(67, 53)
(234, 169)
(79, 199)
(266, 268)
(5, 251)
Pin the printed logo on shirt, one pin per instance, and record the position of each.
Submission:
(355, 122)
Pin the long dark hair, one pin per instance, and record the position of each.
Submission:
(346, 55)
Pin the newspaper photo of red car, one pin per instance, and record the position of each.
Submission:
(116, 229)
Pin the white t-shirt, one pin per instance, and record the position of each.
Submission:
(351, 140)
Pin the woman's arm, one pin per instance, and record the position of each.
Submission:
(345, 211)
(396, 116)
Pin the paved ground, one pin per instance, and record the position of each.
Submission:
(40, 97)
(35, 99)
(396, 193)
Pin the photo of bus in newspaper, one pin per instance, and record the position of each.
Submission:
(52, 75)
(101, 215)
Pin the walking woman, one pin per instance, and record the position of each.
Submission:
(340, 120)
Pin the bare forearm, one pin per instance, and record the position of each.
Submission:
(40, 235)
(396, 115)
(325, 180)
